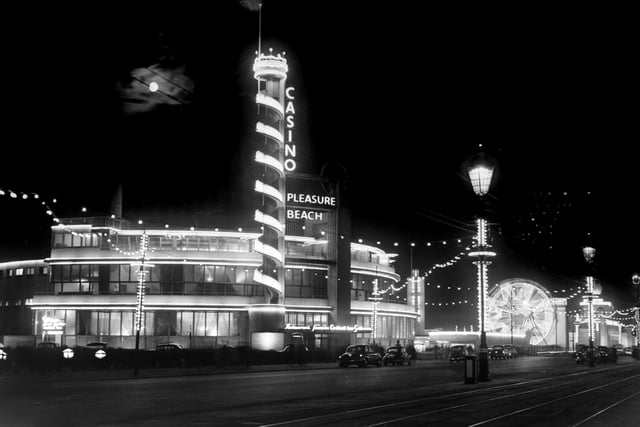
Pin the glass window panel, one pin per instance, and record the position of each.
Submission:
(241, 275)
(209, 272)
(154, 274)
(317, 318)
(230, 275)
(124, 273)
(165, 323)
(234, 326)
(72, 288)
(103, 323)
(204, 244)
(148, 323)
(114, 323)
(127, 323)
(223, 324)
(114, 273)
(84, 271)
(199, 323)
(186, 323)
(297, 277)
(57, 273)
(82, 322)
(293, 291)
(66, 273)
(188, 273)
(198, 274)
(243, 246)
(212, 324)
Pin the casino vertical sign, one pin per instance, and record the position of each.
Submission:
(289, 144)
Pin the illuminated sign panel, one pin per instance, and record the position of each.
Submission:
(330, 328)
(307, 200)
(52, 326)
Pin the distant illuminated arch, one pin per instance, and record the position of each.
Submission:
(523, 307)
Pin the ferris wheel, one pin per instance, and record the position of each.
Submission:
(520, 307)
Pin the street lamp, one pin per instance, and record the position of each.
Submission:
(480, 172)
(592, 290)
(636, 284)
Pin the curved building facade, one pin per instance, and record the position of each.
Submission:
(199, 291)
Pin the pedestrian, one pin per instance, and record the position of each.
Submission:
(469, 350)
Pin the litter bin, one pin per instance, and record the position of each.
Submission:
(470, 369)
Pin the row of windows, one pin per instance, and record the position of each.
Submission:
(76, 240)
(300, 249)
(24, 271)
(124, 273)
(220, 289)
(307, 319)
(157, 323)
(305, 283)
(387, 326)
(192, 243)
(178, 280)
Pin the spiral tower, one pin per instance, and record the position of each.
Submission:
(271, 73)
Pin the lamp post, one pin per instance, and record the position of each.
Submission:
(636, 284)
(480, 172)
(589, 252)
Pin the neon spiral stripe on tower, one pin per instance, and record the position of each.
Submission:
(271, 73)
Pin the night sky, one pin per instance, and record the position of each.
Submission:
(398, 94)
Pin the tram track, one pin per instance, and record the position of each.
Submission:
(473, 402)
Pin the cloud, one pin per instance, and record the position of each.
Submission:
(174, 88)
(252, 5)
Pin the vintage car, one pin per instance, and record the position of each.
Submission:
(360, 355)
(497, 352)
(396, 355)
(457, 353)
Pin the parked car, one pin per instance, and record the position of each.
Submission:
(359, 354)
(497, 352)
(510, 351)
(582, 354)
(48, 345)
(169, 346)
(457, 353)
(97, 345)
(396, 355)
(627, 351)
(603, 353)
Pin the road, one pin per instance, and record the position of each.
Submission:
(550, 391)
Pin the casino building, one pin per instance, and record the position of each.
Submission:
(296, 275)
